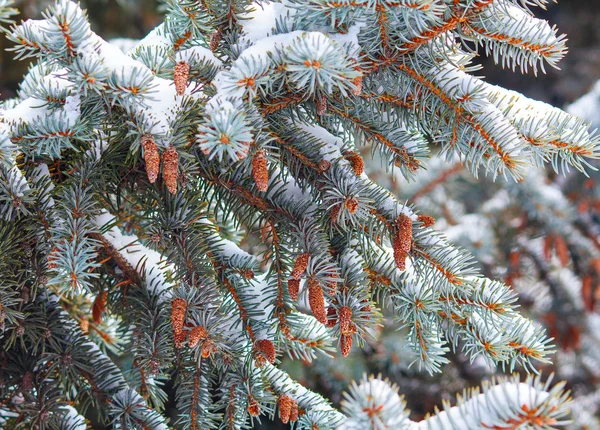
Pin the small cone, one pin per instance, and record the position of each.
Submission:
(300, 265)
(316, 300)
(181, 77)
(345, 345)
(358, 84)
(285, 408)
(402, 240)
(171, 169)
(294, 288)
(99, 306)
(427, 221)
(208, 348)
(321, 105)
(197, 334)
(324, 165)
(151, 157)
(266, 347)
(294, 412)
(260, 170)
(178, 308)
(351, 204)
(345, 320)
(215, 38)
(356, 162)
(253, 407)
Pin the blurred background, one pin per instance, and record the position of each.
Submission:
(502, 256)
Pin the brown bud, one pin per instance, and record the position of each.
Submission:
(260, 171)
(402, 240)
(178, 309)
(181, 76)
(208, 348)
(351, 203)
(427, 221)
(294, 412)
(345, 320)
(151, 157)
(253, 407)
(294, 288)
(197, 334)
(356, 161)
(335, 213)
(321, 105)
(562, 250)
(358, 83)
(266, 347)
(324, 165)
(285, 408)
(300, 265)
(215, 38)
(99, 306)
(345, 345)
(316, 300)
(171, 169)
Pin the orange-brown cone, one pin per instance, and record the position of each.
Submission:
(427, 221)
(316, 300)
(181, 76)
(171, 169)
(260, 170)
(402, 240)
(345, 345)
(294, 412)
(266, 347)
(99, 306)
(294, 288)
(285, 408)
(178, 308)
(253, 407)
(345, 317)
(300, 265)
(197, 334)
(356, 161)
(151, 157)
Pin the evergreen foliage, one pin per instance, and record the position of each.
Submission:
(194, 209)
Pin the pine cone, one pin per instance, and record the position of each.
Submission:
(215, 38)
(178, 309)
(208, 348)
(294, 412)
(402, 242)
(151, 157)
(345, 345)
(171, 169)
(285, 408)
(321, 105)
(294, 288)
(300, 265)
(99, 306)
(197, 334)
(260, 170)
(427, 221)
(356, 161)
(316, 300)
(345, 320)
(181, 77)
(266, 347)
(253, 407)
(351, 203)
